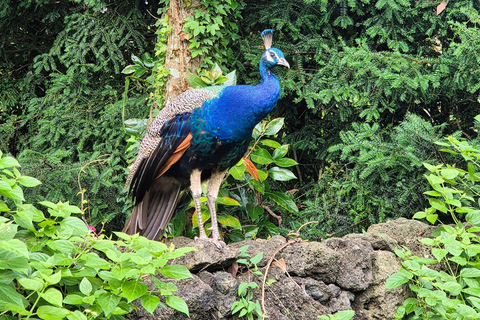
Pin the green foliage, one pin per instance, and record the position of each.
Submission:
(340, 315)
(64, 120)
(362, 68)
(54, 266)
(212, 28)
(453, 291)
(264, 165)
(245, 307)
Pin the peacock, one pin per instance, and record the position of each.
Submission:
(198, 136)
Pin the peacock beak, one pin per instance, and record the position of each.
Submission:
(283, 62)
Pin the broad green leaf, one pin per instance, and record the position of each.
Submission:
(64, 246)
(177, 304)
(285, 162)
(229, 221)
(15, 246)
(282, 200)
(398, 278)
(149, 302)
(473, 217)
(261, 156)
(10, 260)
(74, 299)
(77, 315)
(274, 126)
(176, 272)
(108, 302)
(85, 286)
(255, 260)
(281, 174)
(8, 231)
(449, 174)
(470, 273)
(33, 284)
(271, 143)
(77, 225)
(9, 295)
(53, 296)
(344, 315)
(134, 289)
(437, 204)
(29, 182)
(227, 201)
(238, 171)
(8, 162)
(129, 69)
(52, 313)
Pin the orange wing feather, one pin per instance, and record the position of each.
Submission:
(177, 154)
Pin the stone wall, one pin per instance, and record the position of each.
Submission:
(311, 278)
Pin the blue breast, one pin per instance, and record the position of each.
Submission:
(237, 110)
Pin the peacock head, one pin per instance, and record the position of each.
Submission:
(272, 56)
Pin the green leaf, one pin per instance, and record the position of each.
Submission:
(149, 302)
(271, 143)
(255, 260)
(274, 126)
(285, 162)
(64, 246)
(176, 272)
(261, 156)
(437, 204)
(85, 286)
(473, 217)
(470, 273)
(74, 299)
(344, 315)
(229, 221)
(33, 284)
(177, 304)
(53, 296)
(8, 162)
(28, 182)
(238, 171)
(15, 246)
(281, 174)
(9, 295)
(52, 313)
(134, 289)
(398, 278)
(108, 302)
(227, 201)
(282, 200)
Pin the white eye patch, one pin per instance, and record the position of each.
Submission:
(271, 56)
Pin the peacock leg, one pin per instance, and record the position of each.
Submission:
(196, 187)
(213, 186)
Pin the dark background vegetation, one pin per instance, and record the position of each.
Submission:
(372, 86)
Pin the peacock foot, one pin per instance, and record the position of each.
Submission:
(220, 244)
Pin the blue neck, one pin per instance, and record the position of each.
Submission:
(233, 115)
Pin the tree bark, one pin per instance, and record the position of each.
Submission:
(178, 56)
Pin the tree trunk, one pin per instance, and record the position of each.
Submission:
(178, 56)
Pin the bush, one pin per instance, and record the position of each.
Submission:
(54, 266)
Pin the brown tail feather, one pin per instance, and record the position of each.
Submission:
(151, 216)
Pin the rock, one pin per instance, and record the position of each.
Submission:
(355, 262)
(320, 278)
(376, 302)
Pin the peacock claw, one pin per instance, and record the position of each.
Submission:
(220, 244)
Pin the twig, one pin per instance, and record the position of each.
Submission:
(298, 230)
(296, 166)
(273, 214)
(264, 311)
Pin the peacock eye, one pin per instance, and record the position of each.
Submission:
(272, 54)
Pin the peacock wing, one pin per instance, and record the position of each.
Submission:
(183, 103)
